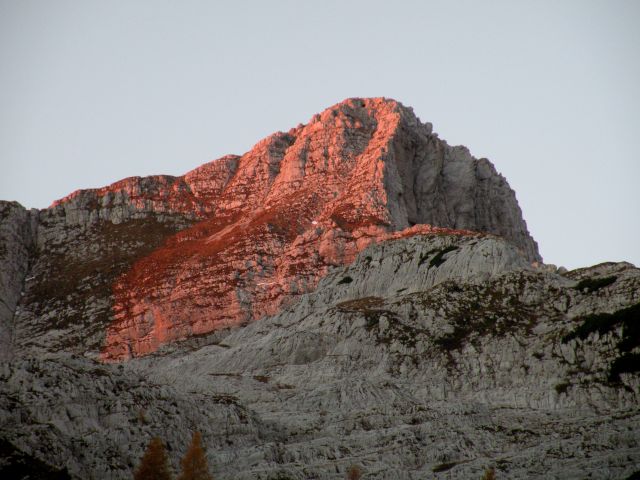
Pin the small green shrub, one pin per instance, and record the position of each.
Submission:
(425, 256)
(630, 334)
(627, 363)
(562, 387)
(594, 284)
(605, 322)
(454, 340)
(629, 319)
(438, 259)
(372, 318)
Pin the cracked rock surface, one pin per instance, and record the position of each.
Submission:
(354, 291)
(432, 356)
(124, 269)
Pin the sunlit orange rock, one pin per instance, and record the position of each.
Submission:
(273, 221)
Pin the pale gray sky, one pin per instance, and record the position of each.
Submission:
(94, 91)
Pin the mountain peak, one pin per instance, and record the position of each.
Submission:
(240, 237)
(381, 286)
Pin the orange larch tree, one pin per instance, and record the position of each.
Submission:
(155, 463)
(194, 463)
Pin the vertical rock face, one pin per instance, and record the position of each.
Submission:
(427, 352)
(299, 203)
(431, 344)
(239, 237)
(87, 240)
(17, 241)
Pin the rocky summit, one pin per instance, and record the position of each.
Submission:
(351, 294)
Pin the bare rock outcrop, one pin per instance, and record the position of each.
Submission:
(432, 355)
(406, 323)
(17, 245)
(152, 260)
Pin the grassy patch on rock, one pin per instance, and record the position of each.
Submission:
(484, 311)
(83, 278)
(603, 323)
(627, 363)
(438, 256)
(439, 259)
(628, 319)
(593, 284)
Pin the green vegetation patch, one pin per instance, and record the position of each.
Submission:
(367, 306)
(629, 319)
(425, 256)
(439, 259)
(372, 310)
(483, 311)
(443, 467)
(593, 284)
(81, 279)
(603, 323)
(627, 363)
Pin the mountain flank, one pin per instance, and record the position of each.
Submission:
(353, 295)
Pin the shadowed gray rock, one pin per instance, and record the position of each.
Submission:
(441, 356)
(429, 356)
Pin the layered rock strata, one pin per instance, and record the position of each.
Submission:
(157, 259)
(430, 356)
(17, 234)
(406, 325)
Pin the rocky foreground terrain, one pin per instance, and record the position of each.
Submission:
(352, 292)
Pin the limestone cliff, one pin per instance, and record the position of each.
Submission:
(148, 261)
(430, 356)
(406, 324)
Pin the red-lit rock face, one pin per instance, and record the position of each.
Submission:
(193, 194)
(298, 203)
(273, 221)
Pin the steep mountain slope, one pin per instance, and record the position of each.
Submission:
(254, 231)
(406, 322)
(431, 356)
